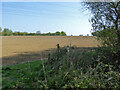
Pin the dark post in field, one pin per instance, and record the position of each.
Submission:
(58, 51)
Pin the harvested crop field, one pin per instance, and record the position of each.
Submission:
(17, 49)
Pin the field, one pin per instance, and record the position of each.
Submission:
(18, 49)
(82, 66)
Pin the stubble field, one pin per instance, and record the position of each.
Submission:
(18, 49)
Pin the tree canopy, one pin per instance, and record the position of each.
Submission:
(63, 33)
(105, 21)
(105, 16)
(7, 32)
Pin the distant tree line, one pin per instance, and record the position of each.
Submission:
(8, 32)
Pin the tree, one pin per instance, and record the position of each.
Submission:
(25, 33)
(38, 33)
(95, 33)
(58, 33)
(15, 33)
(81, 35)
(0, 31)
(7, 32)
(105, 16)
(31, 34)
(105, 21)
(53, 34)
(63, 33)
(49, 34)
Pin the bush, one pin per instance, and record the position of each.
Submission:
(108, 37)
(110, 51)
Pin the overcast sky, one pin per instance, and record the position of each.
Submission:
(46, 17)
